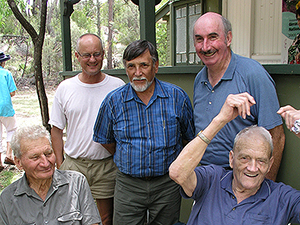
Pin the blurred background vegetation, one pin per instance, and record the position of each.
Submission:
(89, 16)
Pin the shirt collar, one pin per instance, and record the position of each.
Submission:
(228, 75)
(159, 91)
(23, 187)
(263, 192)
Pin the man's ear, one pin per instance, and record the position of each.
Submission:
(156, 66)
(271, 163)
(229, 38)
(231, 158)
(18, 163)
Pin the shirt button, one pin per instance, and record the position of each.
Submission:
(213, 91)
(233, 197)
(46, 222)
(209, 103)
(233, 209)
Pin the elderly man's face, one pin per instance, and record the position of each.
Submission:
(210, 42)
(250, 162)
(37, 160)
(141, 71)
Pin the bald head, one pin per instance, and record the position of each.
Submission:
(95, 39)
(213, 19)
(252, 134)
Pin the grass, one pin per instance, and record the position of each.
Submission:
(26, 105)
(7, 176)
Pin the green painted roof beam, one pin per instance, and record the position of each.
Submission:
(147, 20)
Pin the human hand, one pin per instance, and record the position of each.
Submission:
(290, 115)
(236, 104)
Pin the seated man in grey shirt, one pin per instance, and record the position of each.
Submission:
(44, 195)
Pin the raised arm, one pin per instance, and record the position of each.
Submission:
(182, 169)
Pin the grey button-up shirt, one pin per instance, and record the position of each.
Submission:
(68, 201)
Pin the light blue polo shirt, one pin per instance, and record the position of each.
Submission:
(7, 85)
(215, 202)
(242, 75)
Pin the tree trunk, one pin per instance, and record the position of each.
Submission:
(110, 33)
(38, 41)
(98, 18)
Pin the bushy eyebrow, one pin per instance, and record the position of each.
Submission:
(210, 34)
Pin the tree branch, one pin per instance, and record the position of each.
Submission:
(27, 26)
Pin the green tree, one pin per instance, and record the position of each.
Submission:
(38, 41)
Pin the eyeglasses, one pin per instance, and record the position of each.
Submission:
(88, 55)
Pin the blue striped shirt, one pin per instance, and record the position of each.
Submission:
(148, 137)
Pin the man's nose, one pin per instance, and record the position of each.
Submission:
(138, 71)
(44, 160)
(252, 165)
(205, 45)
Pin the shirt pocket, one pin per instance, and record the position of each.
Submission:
(257, 219)
(165, 132)
(70, 218)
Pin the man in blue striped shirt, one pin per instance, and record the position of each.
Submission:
(145, 124)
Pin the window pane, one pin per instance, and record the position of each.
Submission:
(181, 33)
(191, 58)
(192, 20)
(178, 58)
(183, 58)
(178, 13)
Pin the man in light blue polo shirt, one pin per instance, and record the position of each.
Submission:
(227, 73)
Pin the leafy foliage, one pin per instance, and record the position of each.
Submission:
(86, 18)
(161, 43)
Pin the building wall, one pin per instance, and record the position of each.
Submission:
(256, 26)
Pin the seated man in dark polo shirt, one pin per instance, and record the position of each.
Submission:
(243, 195)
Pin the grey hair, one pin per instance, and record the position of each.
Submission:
(27, 133)
(226, 25)
(254, 129)
(88, 34)
(137, 48)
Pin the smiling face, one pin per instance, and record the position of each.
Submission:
(141, 72)
(251, 162)
(211, 43)
(90, 45)
(37, 159)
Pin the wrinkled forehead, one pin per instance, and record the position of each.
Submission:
(27, 144)
(255, 142)
(90, 43)
(209, 23)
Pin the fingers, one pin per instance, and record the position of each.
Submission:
(236, 104)
(284, 109)
(241, 103)
(290, 115)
